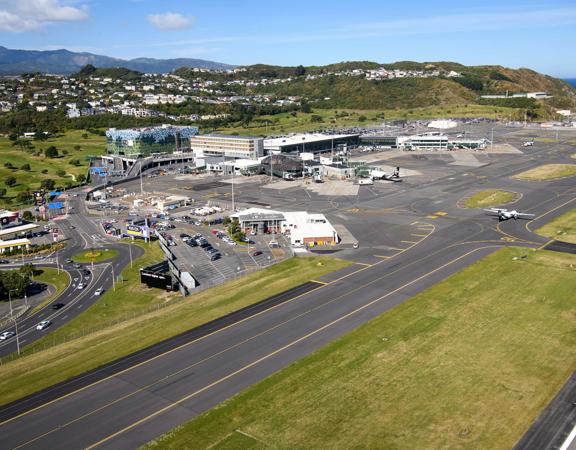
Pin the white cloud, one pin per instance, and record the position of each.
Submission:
(31, 15)
(170, 21)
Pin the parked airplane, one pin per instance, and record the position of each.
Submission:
(377, 174)
(504, 214)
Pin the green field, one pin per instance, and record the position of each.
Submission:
(547, 172)
(562, 228)
(336, 118)
(469, 363)
(44, 368)
(49, 275)
(488, 198)
(92, 145)
(95, 255)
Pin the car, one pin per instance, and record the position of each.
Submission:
(57, 306)
(77, 265)
(80, 286)
(4, 261)
(99, 291)
(72, 227)
(355, 245)
(69, 261)
(215, 256)
(191, 243)
(6, 335)
(256, 253)
(43, 325)
(184, 236)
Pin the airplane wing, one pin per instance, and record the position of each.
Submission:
(525, 215)
(495, 210)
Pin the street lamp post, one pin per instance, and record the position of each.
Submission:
(15, 321)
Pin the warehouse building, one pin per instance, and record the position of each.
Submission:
(152, 141)
(311, 143)
(226, 146)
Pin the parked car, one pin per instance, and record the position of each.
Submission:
(215, 256)
(43, 325)
(257, 253)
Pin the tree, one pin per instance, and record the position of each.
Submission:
(25, 167)
(75, 162)
(51, 152)
(2, 192)
(47, 184)
(61, 173)
(315, 118)
(27, 215)
(85, 135)
(64, 152)
(44, 171)
(362, 119)
(299, 71)
(81, 178)
(305, 108)
(24, 196)
(9, 165)
(10, 181)
(77, 147)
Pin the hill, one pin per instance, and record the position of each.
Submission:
(15, 62)
(345, 85)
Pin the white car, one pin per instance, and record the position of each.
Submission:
(43, 325)
(6, 335)
(99, 291)
(80, 286)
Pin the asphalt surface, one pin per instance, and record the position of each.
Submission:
(134, 405)
(82, 234)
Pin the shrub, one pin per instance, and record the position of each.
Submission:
(51, 152)
(61, 173)
(75, 162)
(25, 167)
(10, 181)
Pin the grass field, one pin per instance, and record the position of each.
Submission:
(469, 363)
(49, 275)
(336, 118)
(562, 228)
(95, 255)
(488, 198)
(92, 145)
(42, 369)
(547, 172)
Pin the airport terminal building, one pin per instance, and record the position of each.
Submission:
(227, 146)
(311, 143)
(145, 142)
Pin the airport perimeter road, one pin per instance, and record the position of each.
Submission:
(81, 234)
(130, 407)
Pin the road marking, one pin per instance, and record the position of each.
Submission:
(409, 242)
(414, 223)
(382, 256)
(418, 235)
(546, 213)
(431, 217)
(216, 331)
(275, 352)
(440, 213)
(319, 282)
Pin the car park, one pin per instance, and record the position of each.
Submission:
(57, 306)
(6, 335)
(43, 325)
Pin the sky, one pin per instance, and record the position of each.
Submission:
(535, 34)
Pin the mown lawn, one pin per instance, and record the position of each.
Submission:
(547, 172)
(562, 228)
(488, 198)
(92, 145)
(42, 369)
(469, 363)
(48, 275)
(95, 255)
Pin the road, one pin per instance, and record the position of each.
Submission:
(128, 408)
(81, 234)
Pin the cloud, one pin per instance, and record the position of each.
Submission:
(170, 21)
(32, 15)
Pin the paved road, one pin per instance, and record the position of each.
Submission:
(81, 234)
(137, 404)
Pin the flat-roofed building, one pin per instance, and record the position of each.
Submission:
(310, 143)
(227, 146)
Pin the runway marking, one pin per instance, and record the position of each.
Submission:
(275, 352)
(545, 244)
(414, 223)
(221, 329)
(418, 235)
(394, 248)
(410, 242)
(546, 213)
(382, 256)
(319, 282)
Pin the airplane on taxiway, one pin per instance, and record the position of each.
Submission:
(504, 214)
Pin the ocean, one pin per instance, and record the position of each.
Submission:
(571, 81)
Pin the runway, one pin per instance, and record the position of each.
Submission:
(133, 405)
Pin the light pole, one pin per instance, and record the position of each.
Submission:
(113, 278)
(15, 321)
(130, 250)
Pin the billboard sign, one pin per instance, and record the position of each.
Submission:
(157, 280)
(138, 231)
